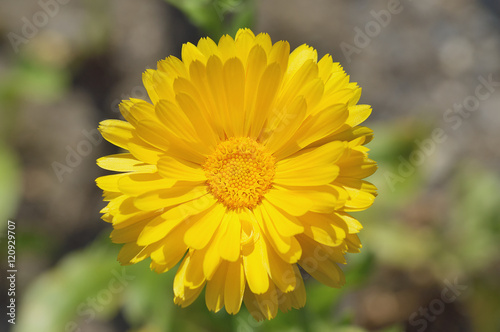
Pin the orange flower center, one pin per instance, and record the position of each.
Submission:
(239, 172)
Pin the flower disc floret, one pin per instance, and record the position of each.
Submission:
(239, 172)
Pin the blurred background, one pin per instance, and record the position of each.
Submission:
(429, 68)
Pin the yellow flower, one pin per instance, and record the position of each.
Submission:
(244, 167)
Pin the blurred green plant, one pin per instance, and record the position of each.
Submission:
(32, 79)
(218, 17)
(26, 79)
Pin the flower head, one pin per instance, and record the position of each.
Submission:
(243, 167)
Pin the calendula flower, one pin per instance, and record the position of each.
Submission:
(243, 167)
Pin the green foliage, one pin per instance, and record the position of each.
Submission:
(217, 17)
(69, 293)
(31, 79)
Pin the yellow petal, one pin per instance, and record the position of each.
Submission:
(127, 214)
(227, 47)
(109, 195)
(235, 287)
(281, 243)
(358, 200)
(201, 122)
(256, 64)
(131, 253)
(136, 111)
(266, 94)
(135, 184)
(322, 124)
(159, 227)
(124, 162)
(212, 253)
(293, 85)
(349, 134)
(299, 56)
(283, 123)
(176, 120)
(191, 53)
(158, 199)
(264, 41)
(184, 296)
(214, 294)
(114, 205)
(194, 277)
(244, 41)
(252, 305)
(296, 298)
(256, 267)
(286, 224)
(215, 80)
(299, 293)
(323, 229)
(311, 167)
(287, 248)
(314, 128)
(281, 272)
(172, 67)
(356, 165)
(152, 132)
(192, 102)
(180, 170)
(353, 243)
(229, 247)
(199, 79)
(354, 226)
(188, 296)
(208, 47)
(288, 201)
(128, 233)
(143, 151)
(280, 53)
(234, 84)
(313, 92)
(318, 263)
(117, 132)
(268, 302)
(147, 80)
(109, 182)
(358, 114)
(169, 251)
(325, 67)
(203, 226)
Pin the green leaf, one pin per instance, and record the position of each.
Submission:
(84, 286)
(149, 299)
(217, 17)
